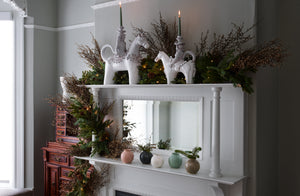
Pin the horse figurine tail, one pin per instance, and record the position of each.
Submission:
(102, 51)
(191, 54)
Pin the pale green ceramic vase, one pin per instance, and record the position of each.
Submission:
(175, 160)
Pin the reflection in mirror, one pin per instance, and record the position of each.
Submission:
(152, 121)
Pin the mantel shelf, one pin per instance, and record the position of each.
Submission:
(100, 86)
(228, 180)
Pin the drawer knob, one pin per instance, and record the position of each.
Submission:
(57, 159)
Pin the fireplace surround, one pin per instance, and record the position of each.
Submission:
(140, 179)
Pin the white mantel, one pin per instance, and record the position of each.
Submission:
(145, 180)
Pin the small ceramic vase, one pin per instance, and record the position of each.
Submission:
(145, 157)
(192, 166)
(127, 156)
(157, 161)
(175, 160)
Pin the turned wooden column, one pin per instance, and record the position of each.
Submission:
(215, 170)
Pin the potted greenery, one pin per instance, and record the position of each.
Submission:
(145, 155)
(192, 165)
(165, 145)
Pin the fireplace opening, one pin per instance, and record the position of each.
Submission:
(121, 193)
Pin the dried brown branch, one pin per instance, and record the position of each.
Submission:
(234, 40)
(162, 37)
(202, 48)
(92, 56)
(74, 87)
(117, 145)
(269, 54)
(222, 45)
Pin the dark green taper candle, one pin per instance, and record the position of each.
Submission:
(179, 24)
(121, 21)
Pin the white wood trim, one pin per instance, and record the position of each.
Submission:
(78, 26)
(65, 28)
(20, 105)
(22, 11)
(111, 3)
(39, 27)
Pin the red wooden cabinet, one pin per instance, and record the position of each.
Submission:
(57, 162)
(57, 165)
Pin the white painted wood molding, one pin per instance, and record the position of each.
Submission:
(65, 28)
(20, 6)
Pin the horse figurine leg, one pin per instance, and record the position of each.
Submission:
(133, 73)
(186, 72)
(109, 74)
(189, 72)
(171, 76)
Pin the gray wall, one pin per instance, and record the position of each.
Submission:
(45, 70)
(288, 97)
(43, 11)
(197, 16)
(40, 83)
(267, 106)
(73, 12)
(68, 60)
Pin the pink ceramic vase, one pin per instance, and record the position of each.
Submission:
(127, 156)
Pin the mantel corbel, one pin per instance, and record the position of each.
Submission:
(215, 187)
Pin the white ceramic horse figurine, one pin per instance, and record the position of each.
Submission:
(186, 67)
(129, 63)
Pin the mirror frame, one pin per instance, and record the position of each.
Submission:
(198, 99)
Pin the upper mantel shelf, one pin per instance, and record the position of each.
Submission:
(229, 180)
(160, 86)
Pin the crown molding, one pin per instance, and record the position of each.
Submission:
(20, 7)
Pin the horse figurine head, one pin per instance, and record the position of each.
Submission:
(159, 56)
(134, 50)
(141, 40)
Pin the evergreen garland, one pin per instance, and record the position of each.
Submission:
(225, 60)
(91, 120)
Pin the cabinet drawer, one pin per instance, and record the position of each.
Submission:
(60, 109)
(58, 158)
(60, 124)
(67, 139)
(64, 173)
(61, 132)
(60, 116)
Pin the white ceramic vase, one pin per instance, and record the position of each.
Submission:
(157, 161)
(64, 88)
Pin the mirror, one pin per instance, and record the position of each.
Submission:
(151, 121)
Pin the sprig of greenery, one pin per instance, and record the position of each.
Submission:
(164, 144)
(190, 154)
(146, 147)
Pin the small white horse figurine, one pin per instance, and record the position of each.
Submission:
(129, 63)
(186, 67)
